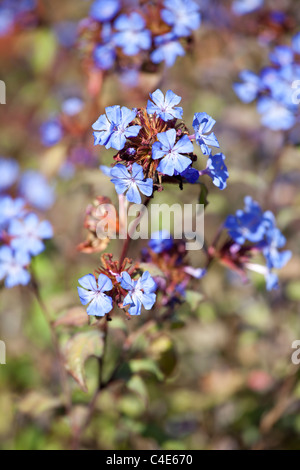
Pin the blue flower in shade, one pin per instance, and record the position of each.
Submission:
(51, 132)
(104, 10)
(203, 124)
(72, 106)
(28, 234)
(242, 7)
(217, 170)
(92, 292)
(140, 292)
(131, 183)
(10, 208)
(191, 175)
(168, 48)
(165, 107)
(9, 172)
(161, 241)
(113, 129)
(271, 280)
(171, 154)
(13, 267)
(249, 89)
(275, 115)
(249, 224)
(36, 190)
(183, 15)
(131, 34)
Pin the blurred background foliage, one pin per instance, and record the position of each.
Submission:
(220, 376)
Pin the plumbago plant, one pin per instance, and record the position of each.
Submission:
(154, 148)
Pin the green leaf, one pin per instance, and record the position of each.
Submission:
(203, 195)
(193, 298)
(35, 404)
(78, 349)
(145, 365)
(163, 352)
(137, 385)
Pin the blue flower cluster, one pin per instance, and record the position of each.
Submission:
(134, 32)
(242, 7)
(21, 231)
(12, 12)
(276, 88)
(138, 293)
(258, 227)
(120, 129)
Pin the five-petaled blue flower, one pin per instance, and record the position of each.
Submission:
(183, 15)
(13, 267)
(217, 170)
(131, 34)
(202, 124)
(140, 292)
(168, 49)
(27, 234)
(131, 182)
(165, 107)
(10, 208)
(113, 129)
(92, 292)
(171, 154)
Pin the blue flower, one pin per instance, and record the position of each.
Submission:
(249, 89)
(104, 56)
(165, 107)
(217, 170)
(275, 115)
(51, 132)
(161, 241)
(296, 43)
(9, 172)
(242, 7)
(274, 240)
(7, 21)
(171, 153)
(183, 15)
(132, 35)
(36, 190)
(28, 234)
(140, 292)
(168, 49)
(13, 267)
(92, 292)
(10, 208)
(131, 182)
(203, 124)
(191, 175)
(72, 106)
(250, 224)
(112, 129)
(104, 10)
(282, 55)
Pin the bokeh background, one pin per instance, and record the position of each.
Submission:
(225, 378)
